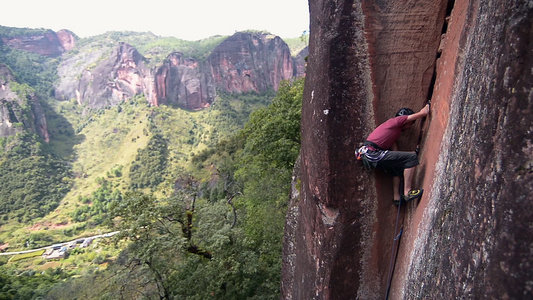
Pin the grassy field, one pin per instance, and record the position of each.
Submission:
(22, 256)
(97, 142)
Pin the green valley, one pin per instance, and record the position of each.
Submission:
(199, 196)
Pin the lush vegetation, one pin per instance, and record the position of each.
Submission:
(36, 70)
(27, 284)
(150, 163)
(297, 44)
(14, 32)
(273, 133)
(33, 181)
(199, 197)
(217, 237)
(95, 208)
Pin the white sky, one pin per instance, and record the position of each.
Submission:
(184, 19)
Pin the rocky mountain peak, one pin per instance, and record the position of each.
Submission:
(242, 63)
(182, 81)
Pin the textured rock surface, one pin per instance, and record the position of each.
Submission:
(70, 70)
(300, 62)
(49, 44)
(242, 63)
(66, 39)
(13, 109)
(248, 62)
(470, 235)
(180, 81)
(475, 240)
(330, 222)
(115, 80)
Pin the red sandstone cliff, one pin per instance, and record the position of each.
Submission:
(181, 81)
(25, 110)
(48, 44)
(248, 62)
(470, 235)
(114, 80)
(242, 63)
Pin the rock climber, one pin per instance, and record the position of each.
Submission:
(380, 151)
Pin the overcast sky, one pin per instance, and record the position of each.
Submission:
(184, 19)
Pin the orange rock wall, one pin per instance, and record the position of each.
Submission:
(470, 237)
(470, 234)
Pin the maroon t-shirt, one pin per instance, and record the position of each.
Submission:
(387, 133)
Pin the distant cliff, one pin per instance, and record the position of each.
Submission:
(20, 109)
(183, 82)
(470, 235)
(244, 62)
(114, 80)
(49, 43)
(248, 62)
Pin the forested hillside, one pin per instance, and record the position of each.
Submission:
(199, 197)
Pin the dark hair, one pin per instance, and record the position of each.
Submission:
(405, 112)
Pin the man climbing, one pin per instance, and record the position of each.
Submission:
(381, 151)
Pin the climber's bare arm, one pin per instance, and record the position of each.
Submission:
(422, 113)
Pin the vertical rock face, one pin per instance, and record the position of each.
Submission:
(338, 239)
(14, 110)
(248, 62)
(180, 81)
(242, 63)
(470, 235)
(115, 80)
(300, 62)
(479, 232)
(48, 44)
(66, 39)
(7, 115)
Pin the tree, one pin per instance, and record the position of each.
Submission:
(150, 163)
(273, 133)
(31, 179)
(161, 231)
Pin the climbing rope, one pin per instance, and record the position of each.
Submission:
(398, 235)
(394, 252)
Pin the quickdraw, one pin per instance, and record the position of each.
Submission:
(360, 154)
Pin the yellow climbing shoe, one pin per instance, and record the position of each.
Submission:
(413, 194)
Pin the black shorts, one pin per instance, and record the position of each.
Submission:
(394, 162)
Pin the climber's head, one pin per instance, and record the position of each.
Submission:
(405, 112)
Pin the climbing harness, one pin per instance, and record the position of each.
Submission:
(369, 155)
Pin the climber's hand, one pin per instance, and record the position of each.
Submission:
(425, 110)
